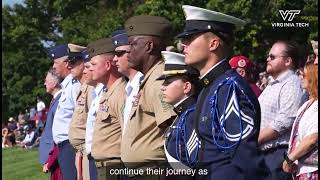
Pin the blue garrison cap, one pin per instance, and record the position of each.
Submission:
(119, 38)
(85, 55)
(58, 51)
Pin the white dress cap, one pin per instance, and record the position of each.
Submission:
(196, 13)
(173, 58)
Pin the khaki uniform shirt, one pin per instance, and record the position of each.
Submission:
(143, 140)
(77, 129)
(107, 130)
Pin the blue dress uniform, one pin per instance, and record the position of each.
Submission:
(227, 120)
(181, 134)
(181, 143)
(227, 113)
(46, 141)
(62, 120)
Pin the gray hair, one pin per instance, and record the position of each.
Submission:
(54, 75)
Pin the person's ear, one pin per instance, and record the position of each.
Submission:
(149, 47)
(108, 65)
(187, 87)
(214, 43)
(242, 72)
(288, 61)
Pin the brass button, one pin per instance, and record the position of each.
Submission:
(206, 81)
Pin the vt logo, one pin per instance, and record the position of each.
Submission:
(288, 14)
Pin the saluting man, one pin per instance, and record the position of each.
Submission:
(227, 113)
(78, 57)
(142, 141)
(65, 109)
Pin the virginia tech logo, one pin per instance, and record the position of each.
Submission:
(288, 14)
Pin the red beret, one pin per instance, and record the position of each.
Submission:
(240, 61)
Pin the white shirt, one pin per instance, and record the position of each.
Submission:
(132, 89)
(40, 106)
(308, 125)
(29, 137)
(91, 120)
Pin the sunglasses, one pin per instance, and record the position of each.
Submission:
(273, 57)
(73, 61)
(120, 53)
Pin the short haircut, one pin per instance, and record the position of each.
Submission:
(193, 80)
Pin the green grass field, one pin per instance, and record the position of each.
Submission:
(21, 164)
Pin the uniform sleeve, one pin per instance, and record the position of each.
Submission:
(289, 102)
(237, 114)
(163, 111)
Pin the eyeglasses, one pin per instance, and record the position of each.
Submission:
(273, 57)
(120, 53)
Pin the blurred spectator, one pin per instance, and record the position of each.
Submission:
(305, 95)
(28, 138)
(302, 157)
(41, 110)
(21, 119)
(315, 51)
(247, 70)
(263, 80)
(8, 139)
(32, 113)
(36, 138)
(279, 103)
(19, 135)
(27, 115)
(12, 124)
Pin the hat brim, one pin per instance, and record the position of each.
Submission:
(163, 76)
(189, 33)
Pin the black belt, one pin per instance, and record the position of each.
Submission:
(61, 144)
(273, 149)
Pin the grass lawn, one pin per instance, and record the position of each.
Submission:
(21, 164)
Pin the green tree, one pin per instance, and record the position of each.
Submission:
(28, 30)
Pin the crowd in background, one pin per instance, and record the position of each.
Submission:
(277, 108)
(24, 130)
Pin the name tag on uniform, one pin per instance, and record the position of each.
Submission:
(81, 101)
(103, 108)
(135, 102)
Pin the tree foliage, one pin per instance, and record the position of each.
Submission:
(29, 29)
